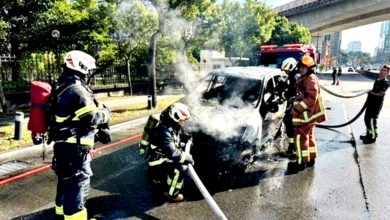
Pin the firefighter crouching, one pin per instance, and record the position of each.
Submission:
(289, 66)
(77, 119)
(308, 109)
(167, 160)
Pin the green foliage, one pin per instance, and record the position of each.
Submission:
(245, 26)
(17, 21)
(20, 85)
(287, 32)
(134, 27)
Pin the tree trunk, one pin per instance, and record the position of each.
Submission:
(152, 67)
(2, 99)
(16, 54)
(129, 77)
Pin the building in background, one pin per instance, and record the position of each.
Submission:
(383, 51)
(330, 50)
(211, 60)
(354, 46)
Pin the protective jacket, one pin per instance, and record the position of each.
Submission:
(76, 112)
(308, 105)
(165, 142)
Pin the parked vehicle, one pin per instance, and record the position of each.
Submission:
(237, 119)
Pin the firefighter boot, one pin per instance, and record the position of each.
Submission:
(291, 152)
(178, 198)
(362, 137)
(369, 140)
(311, 163)
(294, 167)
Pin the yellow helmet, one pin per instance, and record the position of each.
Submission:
(307, 61)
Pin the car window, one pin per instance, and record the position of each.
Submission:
(233, 89)
(269, 101)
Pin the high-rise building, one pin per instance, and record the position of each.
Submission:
(383, 53)
(354, 46)
(330, 49)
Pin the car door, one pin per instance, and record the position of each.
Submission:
(271, 109)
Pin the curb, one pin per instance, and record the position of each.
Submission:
(48, 166)
(37, 149)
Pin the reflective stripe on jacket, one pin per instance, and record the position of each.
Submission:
(308, 104)
(165, 145)
(76, 112)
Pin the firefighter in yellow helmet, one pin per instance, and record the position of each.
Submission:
(78, 121)
(308, 109)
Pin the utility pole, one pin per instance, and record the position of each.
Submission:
(56, 35)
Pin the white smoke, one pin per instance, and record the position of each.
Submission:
(218, 120)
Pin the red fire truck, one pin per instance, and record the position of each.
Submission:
(273, 55)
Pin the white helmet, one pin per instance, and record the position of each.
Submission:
(80, 61)
(289, 64)
(179, 112)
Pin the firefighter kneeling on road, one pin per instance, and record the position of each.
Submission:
(77, 119)
(308, 109)
(168, 161)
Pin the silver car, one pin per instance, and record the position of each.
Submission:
(237, 117)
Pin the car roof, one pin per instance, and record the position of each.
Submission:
(249, 72)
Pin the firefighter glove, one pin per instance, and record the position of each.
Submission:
(105, 113)
(104, 134)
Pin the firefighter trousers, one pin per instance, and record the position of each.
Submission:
(288, 123)
(72, 167)
(305, 143)
(371, 120)
(171, 175)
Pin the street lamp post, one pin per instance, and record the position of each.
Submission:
(56, 35)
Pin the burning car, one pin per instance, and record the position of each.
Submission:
(237, 116)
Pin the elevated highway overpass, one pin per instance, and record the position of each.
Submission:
(326, 16)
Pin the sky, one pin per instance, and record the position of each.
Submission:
(369, 41)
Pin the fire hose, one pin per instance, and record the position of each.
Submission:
(344, 96)
(210, 201)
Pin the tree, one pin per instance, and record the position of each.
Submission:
(287, 32)
(189, 10)
(16, 18)
(135, 25)
(245, 27)
(24, 25)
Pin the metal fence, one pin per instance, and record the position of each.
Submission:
(44, 67)
(33, 67)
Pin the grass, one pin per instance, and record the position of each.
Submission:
(124, 112)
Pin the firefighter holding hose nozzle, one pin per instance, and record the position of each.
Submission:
(164, 148)
(308, 109)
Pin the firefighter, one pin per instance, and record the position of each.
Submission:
(289, 67)
(308, 109)
(168, 161)
(374, 105)
(77, 119)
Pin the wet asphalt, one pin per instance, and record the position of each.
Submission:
(349, 180)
